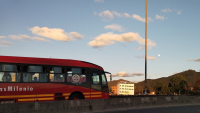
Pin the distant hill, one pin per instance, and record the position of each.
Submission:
(190, 75)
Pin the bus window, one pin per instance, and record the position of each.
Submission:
(96, 82)
(35, 69)
(4, 67)
(76, 70)
(9, 73)
(104, 82)
(76, 75)
(57, 74)
(35, 74)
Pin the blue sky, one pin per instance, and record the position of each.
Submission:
(109, 33)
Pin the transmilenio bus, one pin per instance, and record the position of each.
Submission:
(28, 79)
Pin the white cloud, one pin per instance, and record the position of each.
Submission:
(76, 35)
(121, 74)
(2, 37)
(26, 37)
(55, 33)
(107, 15)
(168, 10)
(39, 39)
(125, 74)
(151, 58)
(114, 27)
(139, 48)
(149, 19)
(138, 74)
(110, 38)
(5, 43)
(101, 1)
(196, 60)
(116, 14)
(160, 17)
(95, 13)
(143, 47)
(148, 57)
(139, 18)
(20, 37)
(179, 12)
(127, 15)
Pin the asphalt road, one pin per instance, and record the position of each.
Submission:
(169, 109)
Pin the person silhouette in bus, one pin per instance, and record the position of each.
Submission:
(26, 77)
(6, 77)
(35, 79)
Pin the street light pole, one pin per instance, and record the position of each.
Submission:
(146, 51)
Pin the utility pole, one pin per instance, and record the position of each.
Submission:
(146, 51)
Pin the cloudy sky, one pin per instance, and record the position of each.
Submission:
(109, 33)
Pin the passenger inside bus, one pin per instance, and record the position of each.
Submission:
(6, 77)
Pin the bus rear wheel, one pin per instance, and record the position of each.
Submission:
(76, 97)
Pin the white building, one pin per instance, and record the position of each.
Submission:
(125, 88)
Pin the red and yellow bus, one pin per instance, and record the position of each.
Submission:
(28, 79)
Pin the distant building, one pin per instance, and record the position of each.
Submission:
(114, 89)
(125, 88)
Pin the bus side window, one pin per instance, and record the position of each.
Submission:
(35, 74)
(57, 74)
(9, 73)
(76, 75)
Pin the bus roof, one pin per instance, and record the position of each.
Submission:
(47, 61)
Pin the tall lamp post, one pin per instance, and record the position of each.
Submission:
(146, 51)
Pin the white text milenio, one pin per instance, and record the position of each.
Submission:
(16, 88)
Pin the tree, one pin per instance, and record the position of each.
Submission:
(178, 84)
(197, 85)
(165, 90)
(157, 87)
(161, 89)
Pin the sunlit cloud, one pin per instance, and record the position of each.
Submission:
(168, 10)
(125, 74)
(127, 15)
(5, 43)
(2, 37)
(76, 35)
(117, 14)
(55, 33)
(138, 74)
(106, 15)
(26, 37)
(196, 60)
(139, 48)
(179, 12)
(160, 17)
(149, 19)
(143, 47)
(114, 27)
(101, 1)
(110, 38)
(148, 57)
(139, 18)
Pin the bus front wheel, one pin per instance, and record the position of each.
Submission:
(75, 97)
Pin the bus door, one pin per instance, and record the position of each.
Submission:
(96, 85)
(105, 90)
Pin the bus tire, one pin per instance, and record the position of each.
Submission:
(76, 96)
